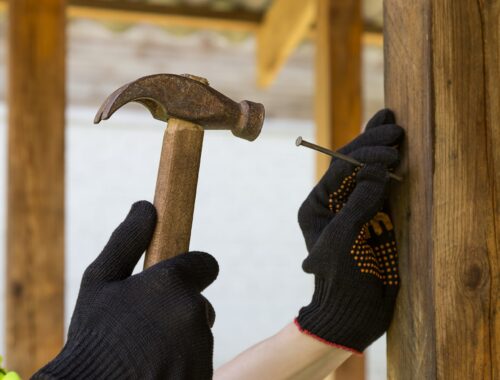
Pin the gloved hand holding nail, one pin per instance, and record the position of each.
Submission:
(350, 240)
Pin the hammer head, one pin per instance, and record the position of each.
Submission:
(176, 96)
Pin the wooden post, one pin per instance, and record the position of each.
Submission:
(339, 33)
(442, 79)
(338, 99)
(35, 220)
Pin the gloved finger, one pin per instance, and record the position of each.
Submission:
(196, 268)
(210, 311)
(368, 196)
(384, 155)
(388, 135)
(337, 173)
(390, 295)
(125, 246)
(384, 116)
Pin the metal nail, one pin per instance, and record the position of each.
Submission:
(301, 142)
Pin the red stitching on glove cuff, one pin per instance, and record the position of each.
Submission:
(306, 332)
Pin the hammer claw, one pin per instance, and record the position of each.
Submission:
(174, 96)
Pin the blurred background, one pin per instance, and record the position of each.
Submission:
(249, 193)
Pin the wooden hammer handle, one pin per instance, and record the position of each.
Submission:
(175, 190)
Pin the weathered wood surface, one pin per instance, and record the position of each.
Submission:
(338, 99)
(176, 190)
(283, 28)
(442, 78)
(35, 219)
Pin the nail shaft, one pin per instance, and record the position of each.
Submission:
(301, 142)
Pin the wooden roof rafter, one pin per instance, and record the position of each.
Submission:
(279, 29)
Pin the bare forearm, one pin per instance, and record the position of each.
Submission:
(287, 355)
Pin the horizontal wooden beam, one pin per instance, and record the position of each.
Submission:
(197, 17)
(188, 16)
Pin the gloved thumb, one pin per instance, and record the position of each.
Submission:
(125, 246)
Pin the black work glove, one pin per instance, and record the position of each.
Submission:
(350, 239)
(152, 325)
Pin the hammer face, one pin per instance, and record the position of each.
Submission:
(175, 96)
(251, 120)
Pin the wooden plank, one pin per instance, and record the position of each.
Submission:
(35, 220)
(338, 102)
(189, 16)
(441, 79)
(338, 99)
(490, 15)
(407, 92)
(285, 25)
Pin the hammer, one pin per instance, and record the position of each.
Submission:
(189, 106)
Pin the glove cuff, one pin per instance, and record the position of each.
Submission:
(345, 318)
(324, 341)
(86, 355)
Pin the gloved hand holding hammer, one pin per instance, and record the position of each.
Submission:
(152, 325)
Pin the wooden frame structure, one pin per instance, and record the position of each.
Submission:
(442, 76)
(273, 51)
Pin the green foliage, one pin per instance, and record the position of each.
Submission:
(5, 375)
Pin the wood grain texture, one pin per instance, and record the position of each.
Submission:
(338, 97)
(411, 351)
(176, 190)
(441, 70)
(490, 16)
(35, 219)
(284, 27)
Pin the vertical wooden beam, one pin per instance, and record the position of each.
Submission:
(338, 102)
(35, 221)
(442, 75)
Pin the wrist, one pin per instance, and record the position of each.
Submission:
(325, 343)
